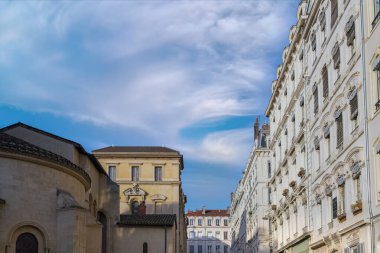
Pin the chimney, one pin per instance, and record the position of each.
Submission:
(256, 128)
(142, 209)
(203, 210)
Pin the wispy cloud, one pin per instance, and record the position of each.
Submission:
(154, 66)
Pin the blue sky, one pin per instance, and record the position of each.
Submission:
(190, 75)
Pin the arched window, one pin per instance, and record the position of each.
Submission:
(145, 247)
(135, 207)
(103, 220)
(26, 243)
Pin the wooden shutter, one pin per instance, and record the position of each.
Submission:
(339, 131)
(334, 12)
(315, 95)
(354, 106)
(325, 80)
(334, 208)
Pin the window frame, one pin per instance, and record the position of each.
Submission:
(112, 172)
(135, 173)
(157, 173)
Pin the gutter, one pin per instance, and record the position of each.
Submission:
(368, 174)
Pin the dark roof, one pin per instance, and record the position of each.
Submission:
(147, 220)
(11, 144)
(208, 213)
(137, 149)
(78, 146)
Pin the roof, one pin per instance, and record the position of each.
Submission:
(11, 144)
(208, 213)
(147, 220)
(78, 146)
(137, 149)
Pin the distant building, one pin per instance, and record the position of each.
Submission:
(250, 227)
(150, 186)
(208, 231)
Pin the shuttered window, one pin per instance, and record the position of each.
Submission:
(334, 12)
(339, 130)
(354, 106)
(315, 95)
(336, 56)
(313, 41)
(334, 208)
(325, 80)
(350, 31)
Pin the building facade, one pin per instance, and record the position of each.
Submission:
(56, 197)
(150, 182)
(208, 231)
(250, 227)
(325, 151)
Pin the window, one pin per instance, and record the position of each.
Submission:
(218, 222)
(350, 34)
(355, 249)
(217, 234)
(135, 207)
(135, 173)
(192, 235)
(334, 12)
(200, 234)
(377, 7)
(322, 20)
(209, 222)
(217, 249)
(145, 247)
(157, 173)
(191, 222)
(269, 170)
(334, 208)
(225, 235)
(353, 98)
(191, 248)
(209, 249)
(112, 172)
(200, 249)
(313, 43)
(339, 129)
(225, 249)
(377, 71)
(336, 56)
(342, 202)
(209, 234)
(325, 82)
(199, 222)
(225, 222)
(26, 242)
(315, 95)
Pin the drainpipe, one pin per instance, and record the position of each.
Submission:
(368, 174)
(165, 237)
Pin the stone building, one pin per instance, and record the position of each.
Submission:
(325, 151)
(208, 231)
(150, 184)
(249, 224)
(56, 197)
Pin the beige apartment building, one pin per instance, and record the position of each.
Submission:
(56, 197)
(150, 184)
(208, 231)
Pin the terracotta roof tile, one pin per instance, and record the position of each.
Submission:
(11, 144)
(147, 220)
(208, 213)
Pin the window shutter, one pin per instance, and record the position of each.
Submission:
(334, 208)
(361, 248)
(336, 56)
(313, 41)
(353, 105)
(316, 143)
(350, 31)
(322, 19)
(315, 94)
(347, 250)
(334, 12)
(339, 131)
(325, 80)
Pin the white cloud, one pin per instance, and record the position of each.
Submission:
(156, 66)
